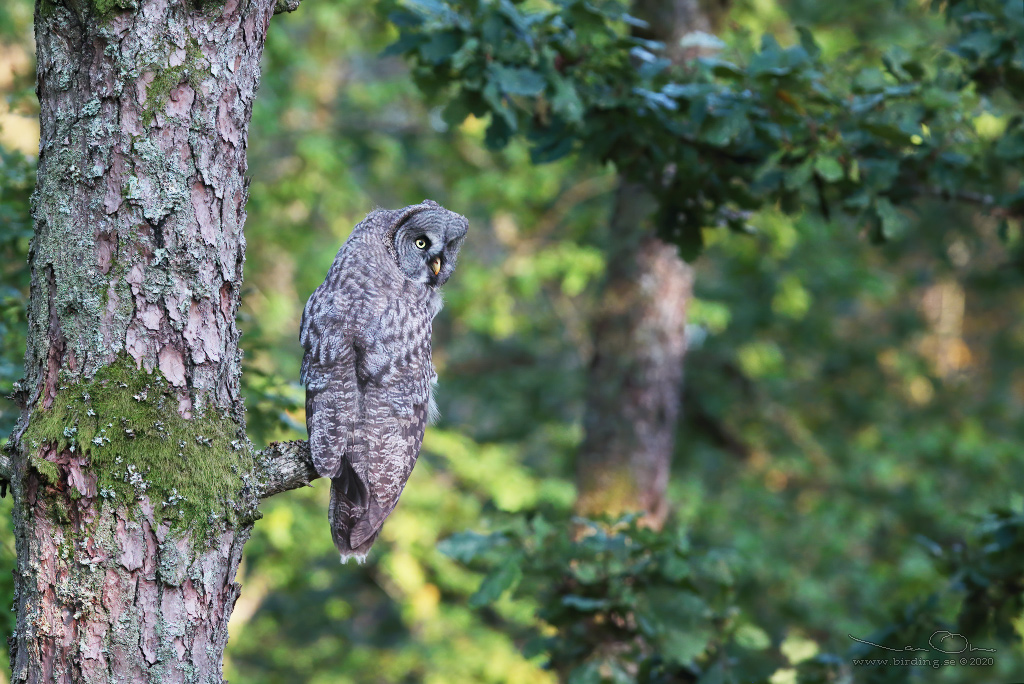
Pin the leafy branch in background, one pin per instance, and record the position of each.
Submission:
(749, 128)
(627, 603)
(623, 603)
(989, 574)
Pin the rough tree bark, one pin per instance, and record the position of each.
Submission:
(134, 485)
(635, 375)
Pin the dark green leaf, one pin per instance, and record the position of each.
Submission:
(588, 673)
(721, 131)
(799, 177)
(720, 67)
(466, 546)
(440, 46)
(518, 81)
(455, 112)
(894, 222)
(677, 620)
(502, 112)
(686, 91)
(404, 18)
(674, 567)
(556, 147)
(503, 578)
(828, 168)
(714, 675)
(466, 54)
(406, 43)
(634, 21)
(566, 101)
(808, 42)
(656, 100)
(690, 240)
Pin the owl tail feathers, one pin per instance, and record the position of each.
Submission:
(355, 523)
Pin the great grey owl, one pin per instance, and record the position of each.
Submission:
(367, 369)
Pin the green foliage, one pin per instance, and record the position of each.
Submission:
(723, 135)
(838, 428)
(988, 586)
(990, 574)
(128, 425)
(624, 603)
(989, 43)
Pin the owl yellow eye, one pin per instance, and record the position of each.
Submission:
(422, 242)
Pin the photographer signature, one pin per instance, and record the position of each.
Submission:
(940, 640)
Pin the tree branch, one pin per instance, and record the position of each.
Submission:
(965, 196)
(286, 466)
(990, 203)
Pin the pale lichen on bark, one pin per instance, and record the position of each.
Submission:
(285, 466)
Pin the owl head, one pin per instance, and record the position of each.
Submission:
(425, 240)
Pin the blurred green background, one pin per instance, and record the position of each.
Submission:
(851, 411)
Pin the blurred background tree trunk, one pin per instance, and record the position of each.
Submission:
(126, 568)
(639, 327)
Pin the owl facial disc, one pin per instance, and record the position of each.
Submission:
(426, 241)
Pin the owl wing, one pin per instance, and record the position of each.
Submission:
(329, 374)
(395, 374)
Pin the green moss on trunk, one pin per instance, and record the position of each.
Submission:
(126, 421)
(48, 472)
(106, 7)
(192, 70)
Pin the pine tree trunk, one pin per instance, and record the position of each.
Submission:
(133, 482)
(635, 377)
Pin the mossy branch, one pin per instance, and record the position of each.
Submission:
(286, 466)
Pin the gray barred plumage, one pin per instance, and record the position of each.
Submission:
(367, 370)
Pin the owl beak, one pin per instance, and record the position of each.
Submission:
(435, 264)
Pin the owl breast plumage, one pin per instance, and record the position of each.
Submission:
(367, 369)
